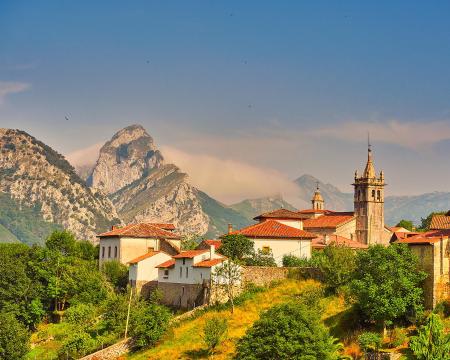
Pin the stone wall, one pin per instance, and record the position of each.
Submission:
(263, 275)
(111, 352)
(184, 296)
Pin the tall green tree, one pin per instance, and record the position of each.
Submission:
(214, 332)
(236, 247)
(14, 338)
(387, 284)
(431, 342)
(407, 224)
(288, 331)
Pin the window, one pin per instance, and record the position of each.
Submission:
(187, 272)
(103, 252)
(184, 261)
(109, 251)
(166, 274)
(266, 250)
(181, 272)
(115, 251)
(378, 195)
(373, 194)
(182, 290)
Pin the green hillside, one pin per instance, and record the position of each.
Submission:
(22, 223)
(220, 216)
(252, 207)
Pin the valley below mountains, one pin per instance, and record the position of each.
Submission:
(132, 182)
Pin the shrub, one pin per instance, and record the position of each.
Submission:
(14, 338)
(397, 337)
(214, 332)
(236, 247)
(260, 258)
(287, 331)
(148, 323)
(117, 274)
(370, 342)
(76, 345)
(80, 315)
(431, 342)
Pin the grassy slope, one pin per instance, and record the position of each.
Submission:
(25, 223)
(6, 236)
(185, 341)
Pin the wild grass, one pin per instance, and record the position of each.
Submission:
(184, 341)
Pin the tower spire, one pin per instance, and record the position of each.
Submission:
(369, 171)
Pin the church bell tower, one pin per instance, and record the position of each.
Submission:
(369, 205)
(317, 200)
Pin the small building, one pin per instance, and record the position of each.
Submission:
(143, 273)
(432, 250)
(205, 244)
(185, 279)
(129, 242)
(323, 241)
(279, 238)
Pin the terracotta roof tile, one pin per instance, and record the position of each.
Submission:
(164, 226)
(279, 214)
(190, 253)
(274, 229)
(319, 243)
(440, 222)
(206, 243)
(328, 221)
(142, 230)
(166, 264)
(143, 257)
(209, 263)
(428, 237)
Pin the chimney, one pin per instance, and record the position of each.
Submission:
(326, 239)
(212, 251)
(301, 225)
(114, 227)
(230, 228)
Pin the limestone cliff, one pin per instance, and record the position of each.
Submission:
(132, 171)
(127, 157)
(36, 180)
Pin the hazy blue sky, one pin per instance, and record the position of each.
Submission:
(261, 90)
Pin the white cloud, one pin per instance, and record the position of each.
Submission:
(11, 87)
(85, 156)
(230, 180)
(411, 135)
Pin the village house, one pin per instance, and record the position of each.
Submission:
(126, 243)
(185, 280)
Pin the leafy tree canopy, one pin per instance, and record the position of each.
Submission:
(287, 331)
(236, 247)
(407, 224)
(387, 283)
(14, 338)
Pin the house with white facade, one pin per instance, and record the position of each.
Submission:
(185, 279)
(279, 235)
(143, 271)
(126, 243)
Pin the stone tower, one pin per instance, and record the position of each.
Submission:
(317, 200)
(369, 205)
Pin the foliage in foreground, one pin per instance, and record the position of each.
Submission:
(14, 338)
(387, 283)
(431, 342)
(288, 331)
(214, 332)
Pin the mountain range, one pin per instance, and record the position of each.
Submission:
(132, 182)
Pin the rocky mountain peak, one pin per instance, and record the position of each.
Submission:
(130, 155)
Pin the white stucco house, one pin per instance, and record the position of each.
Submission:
(131, 241)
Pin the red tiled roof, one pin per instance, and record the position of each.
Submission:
(319, 243)
(428, 237)
(143, 257)
(166, 264)
(209, 263)
(164, 226)
(328, 221)
(279, 214)
(439, 222)
(216, 243)
(190, 254)
(141, 230)
(274, 229)
(311, 211)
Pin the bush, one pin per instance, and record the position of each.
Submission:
(431, 342)
(236, 247)
(214, 332)
(14, 338)
(370, 342)
(261, 258)
(77, 344)
(80, 315)
(295, 261)
(148, 323)
(117, 274)
(287, 331)
(397, 337)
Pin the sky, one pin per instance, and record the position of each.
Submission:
(244, 96)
